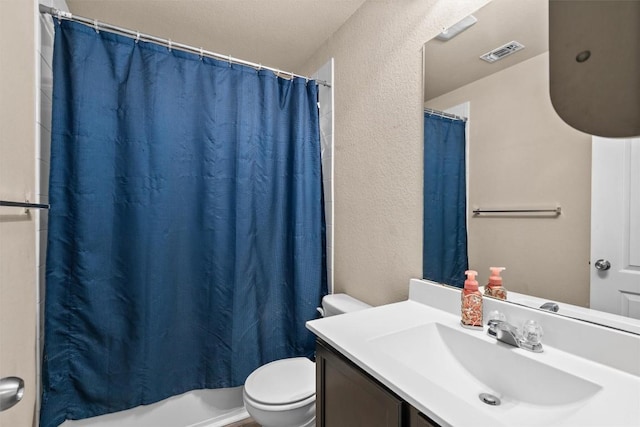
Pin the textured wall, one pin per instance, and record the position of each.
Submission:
(378, 141)
(522, 154)
(17, 181)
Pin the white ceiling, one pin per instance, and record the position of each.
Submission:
(281, 34)
(454, 63)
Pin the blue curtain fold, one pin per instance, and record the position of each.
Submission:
(186, 230)
(444, 255)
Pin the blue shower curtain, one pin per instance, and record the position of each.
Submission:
(186, 231)
(444, 256)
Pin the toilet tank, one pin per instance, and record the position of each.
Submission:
(333, 304)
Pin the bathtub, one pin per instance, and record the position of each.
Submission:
(197, 408)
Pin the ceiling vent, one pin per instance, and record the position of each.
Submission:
(502, 51)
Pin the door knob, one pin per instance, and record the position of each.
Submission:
(603, 264)
(11, 392)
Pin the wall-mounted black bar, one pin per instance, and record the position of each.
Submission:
(23, 205)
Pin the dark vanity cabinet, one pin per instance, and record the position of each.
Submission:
(346, 396)
(417, 419)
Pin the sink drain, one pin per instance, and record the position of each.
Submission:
(489, 399)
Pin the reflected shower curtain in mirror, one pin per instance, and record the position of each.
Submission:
(186, 231)
(444, 256)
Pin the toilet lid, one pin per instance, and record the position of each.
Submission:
(283, 381)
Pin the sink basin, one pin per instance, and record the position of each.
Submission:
(418, 350)
(465, 364)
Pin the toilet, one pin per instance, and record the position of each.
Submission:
(282, 393)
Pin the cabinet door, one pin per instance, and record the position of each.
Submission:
(417, 419)
(348, 397)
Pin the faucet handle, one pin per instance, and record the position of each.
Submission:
(494, 317)
(531, 336)
(532, 332)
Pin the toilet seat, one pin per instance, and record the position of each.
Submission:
(279, 408)
(282, 383)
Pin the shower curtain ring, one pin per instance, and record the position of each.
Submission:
(201, 54)
(229, 60)
(259, 67)
(137, 36)
(95, 26)
(170, 44)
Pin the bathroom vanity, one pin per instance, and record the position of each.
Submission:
(347, 396)
(412, 364)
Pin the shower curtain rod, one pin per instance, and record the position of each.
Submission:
(61, 14)
(445, 115)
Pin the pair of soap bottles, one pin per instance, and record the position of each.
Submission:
(471, 310)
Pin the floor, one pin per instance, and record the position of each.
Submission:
(245, 423)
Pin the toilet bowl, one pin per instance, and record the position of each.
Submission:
(283, 393)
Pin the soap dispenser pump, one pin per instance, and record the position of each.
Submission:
(494, 288)
(471, 307)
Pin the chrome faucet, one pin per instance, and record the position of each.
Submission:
(551, 306)
(505, 332)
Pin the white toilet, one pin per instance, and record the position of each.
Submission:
(283, 393)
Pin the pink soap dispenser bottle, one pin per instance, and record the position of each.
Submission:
(471, 307)
(494, 288)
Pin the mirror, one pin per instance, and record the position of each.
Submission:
(520, 156)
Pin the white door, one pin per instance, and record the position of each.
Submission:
(615, 226)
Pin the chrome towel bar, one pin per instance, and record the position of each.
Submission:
(556, 211)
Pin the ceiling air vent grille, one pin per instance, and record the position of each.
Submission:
(502, 51)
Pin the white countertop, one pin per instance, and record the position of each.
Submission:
(356, 336)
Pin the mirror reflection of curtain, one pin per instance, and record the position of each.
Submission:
(444, 255)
